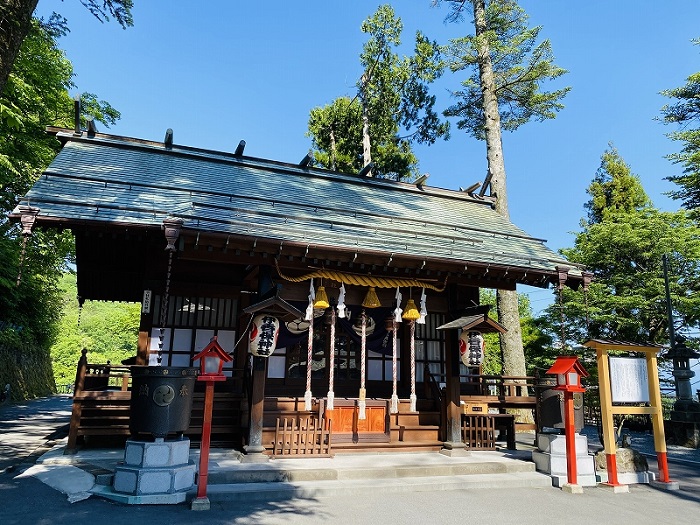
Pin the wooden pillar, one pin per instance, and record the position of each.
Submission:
(254, 449)
(607, 415)
(454, 446)
(657, 418)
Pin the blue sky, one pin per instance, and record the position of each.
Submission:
(221, 71)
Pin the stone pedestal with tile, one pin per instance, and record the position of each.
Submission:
(550, 458)
(155, 472)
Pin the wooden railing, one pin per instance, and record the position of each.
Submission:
(302, 437)
(502, 393)
(102, 399)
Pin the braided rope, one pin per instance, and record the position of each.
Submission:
(361, 280)
(394, 408)
(413, 397)
(309, 358)
(331, 370)
(363, 355)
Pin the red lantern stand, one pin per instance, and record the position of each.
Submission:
(569, 371)
(212, 360)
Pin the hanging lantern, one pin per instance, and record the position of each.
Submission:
(471, 348)
(321, 298)
(411, 313)
(371, 300)
(263, 335)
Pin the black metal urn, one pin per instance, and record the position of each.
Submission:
(161, 399)
(550, 406)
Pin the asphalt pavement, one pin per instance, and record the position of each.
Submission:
(30, 428)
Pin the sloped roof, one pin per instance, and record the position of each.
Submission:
(110, 179)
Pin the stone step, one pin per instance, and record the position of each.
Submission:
(353, 466)
(272, 491)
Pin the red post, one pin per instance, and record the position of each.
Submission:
(663, 467)
(611, 464)
(206, 441)
(570, 432)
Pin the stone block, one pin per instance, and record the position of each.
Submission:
(556, 464)
(556, 443)
(158, 453)
(153, 480)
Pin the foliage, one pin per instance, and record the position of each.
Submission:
(686, 112)
(614, 188)
(108, 330)
(35, 95)
(392, 96)
(520, 66)
(537, 342)
(16, 23)
(623, 250)
(503, 91)
(336, 133)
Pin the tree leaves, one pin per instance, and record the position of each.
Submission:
(393, 95)
(520, 67)
(686, 112)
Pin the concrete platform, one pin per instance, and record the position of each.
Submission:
(344, 474)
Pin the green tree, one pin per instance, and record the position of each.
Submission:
(623, 250)
(392, 97)
(336, 134)
(503, 91)
(108, 330)
(686, 113)
(16, 23)
(536, 336)
(614, 188)
(35, 95)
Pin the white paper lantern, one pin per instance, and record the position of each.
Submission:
(263, 335)
(471, 348)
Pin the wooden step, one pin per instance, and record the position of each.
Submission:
(415, 433)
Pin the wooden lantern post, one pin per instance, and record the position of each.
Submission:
(211, 363)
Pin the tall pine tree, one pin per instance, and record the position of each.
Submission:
(503, 91)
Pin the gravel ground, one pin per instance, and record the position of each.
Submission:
(644, 443)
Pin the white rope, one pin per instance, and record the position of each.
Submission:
(394, 408)
(309, 358)
(413, 398)
(363, 351)
(331, 371)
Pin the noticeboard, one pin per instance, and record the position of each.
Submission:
(629, 380)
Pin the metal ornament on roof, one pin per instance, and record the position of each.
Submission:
(27, 219)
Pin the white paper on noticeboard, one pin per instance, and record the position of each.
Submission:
(628, 380)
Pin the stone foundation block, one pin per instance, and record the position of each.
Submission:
(158, 453)
(140, 481)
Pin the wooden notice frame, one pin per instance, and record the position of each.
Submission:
(608, 409)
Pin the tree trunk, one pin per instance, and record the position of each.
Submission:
(492, 119)
(366, 153)
(333, 150)
(507, 301)
(15, 21)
